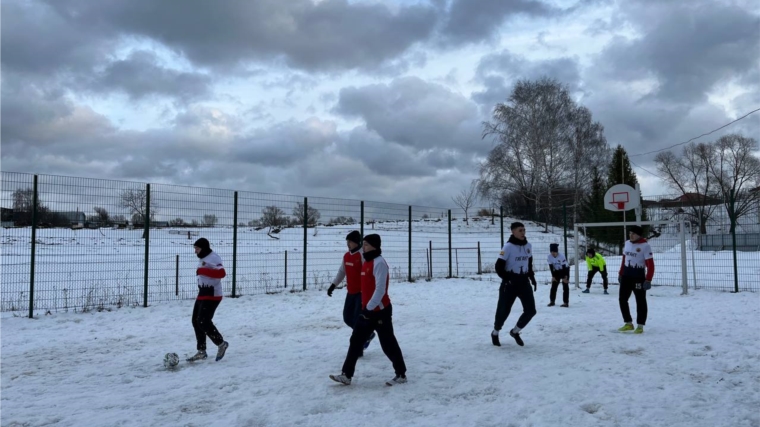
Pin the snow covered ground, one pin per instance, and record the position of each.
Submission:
(697, 364)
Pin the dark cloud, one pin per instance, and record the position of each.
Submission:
(498, 72)
(140, 76)
(472, 21)
(686, 47)
(327, 35)
(415, 113)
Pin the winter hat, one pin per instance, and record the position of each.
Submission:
(554, 247)
(636, 229)
(202, 243)
(355, 237)
(373, 240)
(516, 225)
(591, 252)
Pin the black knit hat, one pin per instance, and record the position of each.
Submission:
(636, 229)
(355, 236)
(373, 240)
(591, 251)
(202, 243)
(554, 247)
(516, 225)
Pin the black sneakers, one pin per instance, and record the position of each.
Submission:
(516, 336)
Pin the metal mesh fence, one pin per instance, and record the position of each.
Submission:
(99, 243)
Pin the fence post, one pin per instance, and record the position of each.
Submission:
(147, 244)
(575, 256)
(451, 272)
(234, 246)
(430, 265)
(35, 202)
(286, 269)
(176, 277)
(410, 243)
(501, 220)
(732, 217)
(564, 227)
(684, 265)
(480, 268)
(305, 236)
(361, 220)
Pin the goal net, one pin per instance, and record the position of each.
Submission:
(667, 239)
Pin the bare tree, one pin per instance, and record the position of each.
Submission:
(312, 214)
(737, 170)
(136, 202)
(690, 175)
(272, 216)
(535, 130)
(102, 215)
(466, 199)
(589, 151)
(210, 220)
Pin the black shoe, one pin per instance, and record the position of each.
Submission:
(551, 304)
(565, 305)
(495, 340)
(517, 338)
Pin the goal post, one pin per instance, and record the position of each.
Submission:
(670, 258)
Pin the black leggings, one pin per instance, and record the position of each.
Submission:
(508, 293)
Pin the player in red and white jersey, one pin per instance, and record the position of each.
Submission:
(635, 276)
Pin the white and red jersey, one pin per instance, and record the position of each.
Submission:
(375, 280)
(351, 270)
(638, 260)
(210, 273)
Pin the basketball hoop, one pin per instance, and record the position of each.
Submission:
(621, 198)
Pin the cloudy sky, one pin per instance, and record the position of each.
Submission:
(374, 99)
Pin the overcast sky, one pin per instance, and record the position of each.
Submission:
(377, 99)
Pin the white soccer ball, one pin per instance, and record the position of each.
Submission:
(171, 360)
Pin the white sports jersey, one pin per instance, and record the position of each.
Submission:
(636, 256)
(516, 257)
(557, 263)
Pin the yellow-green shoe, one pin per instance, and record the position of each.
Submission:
(639, 330)
(627, 327)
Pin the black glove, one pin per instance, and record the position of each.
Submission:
(369, 315)
(533, 282)
(330, 290)
(620, 280)
(647, 285)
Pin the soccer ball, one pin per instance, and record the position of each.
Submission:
(171, 360)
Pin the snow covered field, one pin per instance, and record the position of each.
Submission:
(697, 364)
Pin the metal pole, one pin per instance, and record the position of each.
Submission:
(480, 265)
(305, 236)
(693, 261)
(286, 269)
(564, 228)
(684, 265)
(450, 270)
(361, 220)
(430, 245)
(176, 276)
(501, 220)
(147, 244)
(577, 259)
(35, 202)
(234, 246)
(732, 215)
(410, 243)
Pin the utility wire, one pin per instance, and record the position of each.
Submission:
(696, 137)
(651, 173)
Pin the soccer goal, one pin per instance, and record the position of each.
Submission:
(668, 242)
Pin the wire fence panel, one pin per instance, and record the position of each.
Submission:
(101, 243)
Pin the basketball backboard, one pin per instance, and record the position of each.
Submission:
(621, 198)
